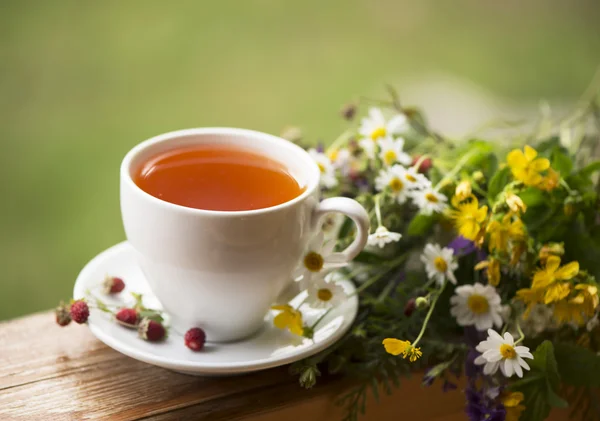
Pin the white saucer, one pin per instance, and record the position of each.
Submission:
(268, 348)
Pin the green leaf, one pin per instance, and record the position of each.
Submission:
(561, 162)
(578, 366)
(590, 169)
(497, 183)
(368, 257)
(555, 400)
(152, 315)
(533, 197)
(544, 361)
(346, 228)
(548, 145)
(101, 306)
(421, 224)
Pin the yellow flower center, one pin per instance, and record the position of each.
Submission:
(396, 184)
(333, 154)
(431, 197)
(440, 264)
(411, 178)
(478, 304)
(324, 294)
(377, 133)
(389, 157)
(313, 261)
(321, 167)
(508, 352)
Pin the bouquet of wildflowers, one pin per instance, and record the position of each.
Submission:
(482, 265)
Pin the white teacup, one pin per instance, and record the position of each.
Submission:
(222, 270)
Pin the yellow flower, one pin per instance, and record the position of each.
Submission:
(587, 298)
(515, 203)
(397, 347)
(530, 297)
(551, 249)
(526, 167)
(468, 216)
(552, 272)
(289, 318)
(568, 312)
(502, 232)
(463, 190)
(493, 272)
(550, 181)
(512, 405)
(517, 250)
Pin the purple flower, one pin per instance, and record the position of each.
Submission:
(320, 147)
(461, 246)
(481, 408)
(428, 378)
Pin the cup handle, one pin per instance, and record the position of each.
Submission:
(352, 209)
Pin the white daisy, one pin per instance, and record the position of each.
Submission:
(382, 236)
(341, 159)
(429, 200)
(501, 352)
(328, 178)
(318, 258)
(374, 128)
(322, 293)
(439, 263)
(477, 305)
(393, 178)
(392, 152)
(416, 180)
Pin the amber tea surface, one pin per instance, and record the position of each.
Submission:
(217, 177)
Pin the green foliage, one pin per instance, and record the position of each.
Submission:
(577, 366)
(497, 183)
(421, 224)
(540, 385)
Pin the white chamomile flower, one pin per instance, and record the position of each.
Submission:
(382, 236)
(429, 200)
(322, 293)
(318, 258)
(501, 352)
(416, 180)
(328, 178)
(478, 305)
(393, 178)
(375, 128)
(439, 263)
(392, 152)
(341, 159)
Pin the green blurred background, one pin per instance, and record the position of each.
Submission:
(82, 82)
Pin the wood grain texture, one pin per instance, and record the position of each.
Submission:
(53, 373)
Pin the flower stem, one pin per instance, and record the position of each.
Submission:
(420, 161)
(394, 263)
(341, 139)
(377, 210)
(321, 317)
(428, 316)
(456, 169)
(521, 334)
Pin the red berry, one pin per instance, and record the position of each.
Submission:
(409, 308)
(113, 285)
(151, 330)
(80, 311)
(195, 338)
(128, 317)
(63, 317)
(425, 165)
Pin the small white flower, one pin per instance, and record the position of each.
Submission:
(429, 201)
(342, 159)
(501, 352)
(539, 319)
(328, 178)
(382, 236)
(393, 178)
(416, 180)
(477, 305)
(374, 128)
(439, 263)
(322, 293)
(318, 258)
(392, 152)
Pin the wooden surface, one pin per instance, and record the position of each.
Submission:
(51, 373)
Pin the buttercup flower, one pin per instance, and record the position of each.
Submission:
(382, 236)
(392, 152)
(375, 128)
(476, 305)
(397, 347)
(322, 293)
(393, 179)
(463, 190)
(579, 308)
(289, 318)
(515, 203)
(493, 270)
(526, 167)
(318, 258)
(468, 216)
(429, 200)
(439, 263)
(550, 181)
(501, 352)
(512, 405)
(328, 178)
(549, 278)
(511, 228)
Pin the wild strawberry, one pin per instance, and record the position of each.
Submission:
(424, 166)
(151, 330)
(128, 317)
(113, 285)
(80, 311)
(63, 317)
(195, 338)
